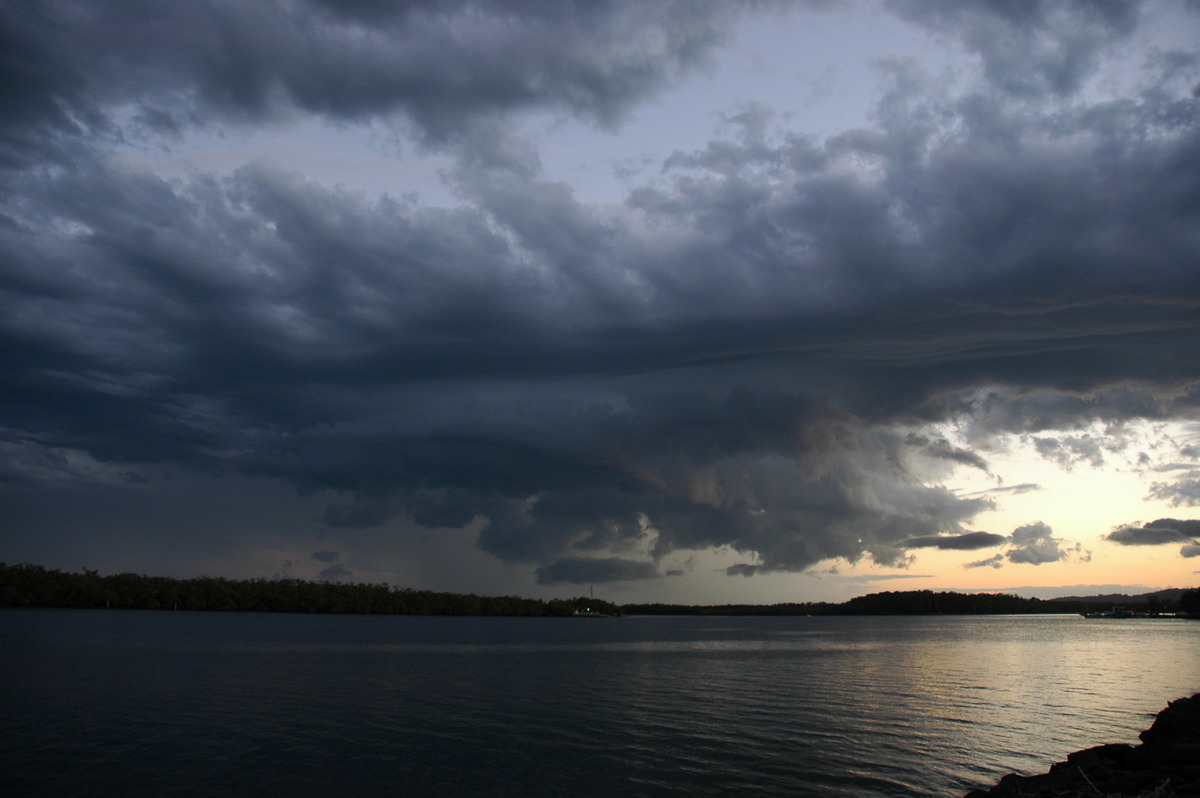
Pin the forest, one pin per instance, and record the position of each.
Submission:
(909, 602)
(34, 586)
(917, 602)
(26, 585)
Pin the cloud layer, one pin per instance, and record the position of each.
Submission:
(1161, 532)
(744, 355)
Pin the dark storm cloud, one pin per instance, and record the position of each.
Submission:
(73, 68)
(1189, 527)
(733, 358)
(1029, 48)
(335, 571)
(942, 449)
(1156, 533)
(1040, 411)
(359, 514)
(585, 570)
(968, 541)
(1017, 259)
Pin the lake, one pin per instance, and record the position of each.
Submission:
(180, 703)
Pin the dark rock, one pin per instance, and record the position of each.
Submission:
(1112, 752)
(1180, 720)
(1165, 765)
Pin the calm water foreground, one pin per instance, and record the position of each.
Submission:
(165, 703)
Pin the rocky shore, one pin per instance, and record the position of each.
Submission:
(1165, 765)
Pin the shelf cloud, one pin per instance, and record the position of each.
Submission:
(748, 353)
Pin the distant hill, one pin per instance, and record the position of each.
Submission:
(1168, 596)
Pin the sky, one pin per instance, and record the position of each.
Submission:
(669, 301)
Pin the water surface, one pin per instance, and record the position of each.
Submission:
(156, 703)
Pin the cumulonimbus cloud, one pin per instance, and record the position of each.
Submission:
(583, 570)
(734, 357)
(447, 67)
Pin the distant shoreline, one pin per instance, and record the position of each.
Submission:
(33, 586)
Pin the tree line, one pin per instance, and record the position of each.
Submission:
(26, 585)
(908, 602)
(914, 602)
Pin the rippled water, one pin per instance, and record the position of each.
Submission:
(145, 703)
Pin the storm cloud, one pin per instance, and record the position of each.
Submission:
(100, 70)
(748, 353)
(1157, 533)
(582, 570)
(968, 541)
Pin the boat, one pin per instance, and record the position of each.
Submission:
(1124, 612)
(1115, 612)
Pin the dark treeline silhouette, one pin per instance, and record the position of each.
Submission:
(26, 585)
(913, 602)
(1189, 602)
(909, 602)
